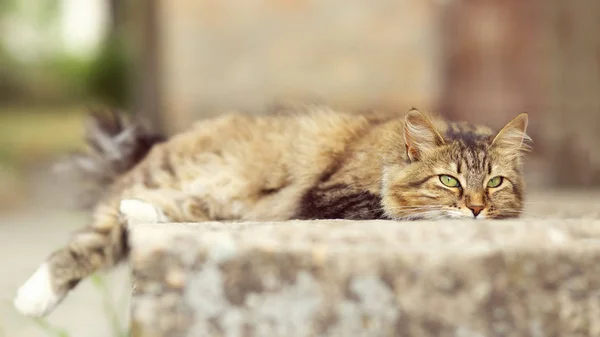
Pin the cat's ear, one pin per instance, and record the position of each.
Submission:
(420, 136)
(513, 137)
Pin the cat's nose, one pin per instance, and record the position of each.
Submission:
(475, 209)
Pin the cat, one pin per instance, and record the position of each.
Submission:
(315, 164)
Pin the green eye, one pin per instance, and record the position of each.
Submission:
(495, 182)
(449, 181)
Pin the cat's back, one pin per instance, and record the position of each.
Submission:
(301, 129)
(299, 143)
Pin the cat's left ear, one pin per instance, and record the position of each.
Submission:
(420, 136)
(513, 136)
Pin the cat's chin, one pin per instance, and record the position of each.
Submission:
(467, 216)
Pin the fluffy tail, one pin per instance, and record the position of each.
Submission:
(115, 144)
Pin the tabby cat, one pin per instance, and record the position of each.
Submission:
(317, 164)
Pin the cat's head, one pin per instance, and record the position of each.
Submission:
(454, 170)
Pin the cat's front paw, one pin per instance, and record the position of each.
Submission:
(36, 297)
(140, 212)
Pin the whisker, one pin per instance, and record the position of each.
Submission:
(512, 213)
(367, 212)
(364, 212)
(413, 208)
(425, 215)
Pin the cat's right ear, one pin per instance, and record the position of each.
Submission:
(513, 138)
(420, 136)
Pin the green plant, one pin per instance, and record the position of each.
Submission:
(109, 308)
(50, 329)
(109, 76)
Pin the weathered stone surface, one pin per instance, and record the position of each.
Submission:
(538, 276)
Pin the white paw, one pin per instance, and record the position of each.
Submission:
(140, 212)
(36, 297)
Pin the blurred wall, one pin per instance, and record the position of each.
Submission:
(571, 122)
(490, 60)
(227, 54)
(483, 61)
(503, 57)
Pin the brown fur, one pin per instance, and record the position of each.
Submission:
(311, 165)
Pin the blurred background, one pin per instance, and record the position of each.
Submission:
(175, 61)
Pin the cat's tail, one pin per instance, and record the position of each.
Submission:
(115, 144)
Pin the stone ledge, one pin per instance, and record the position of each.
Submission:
(370, 278)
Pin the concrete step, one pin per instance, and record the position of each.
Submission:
(528, 277)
